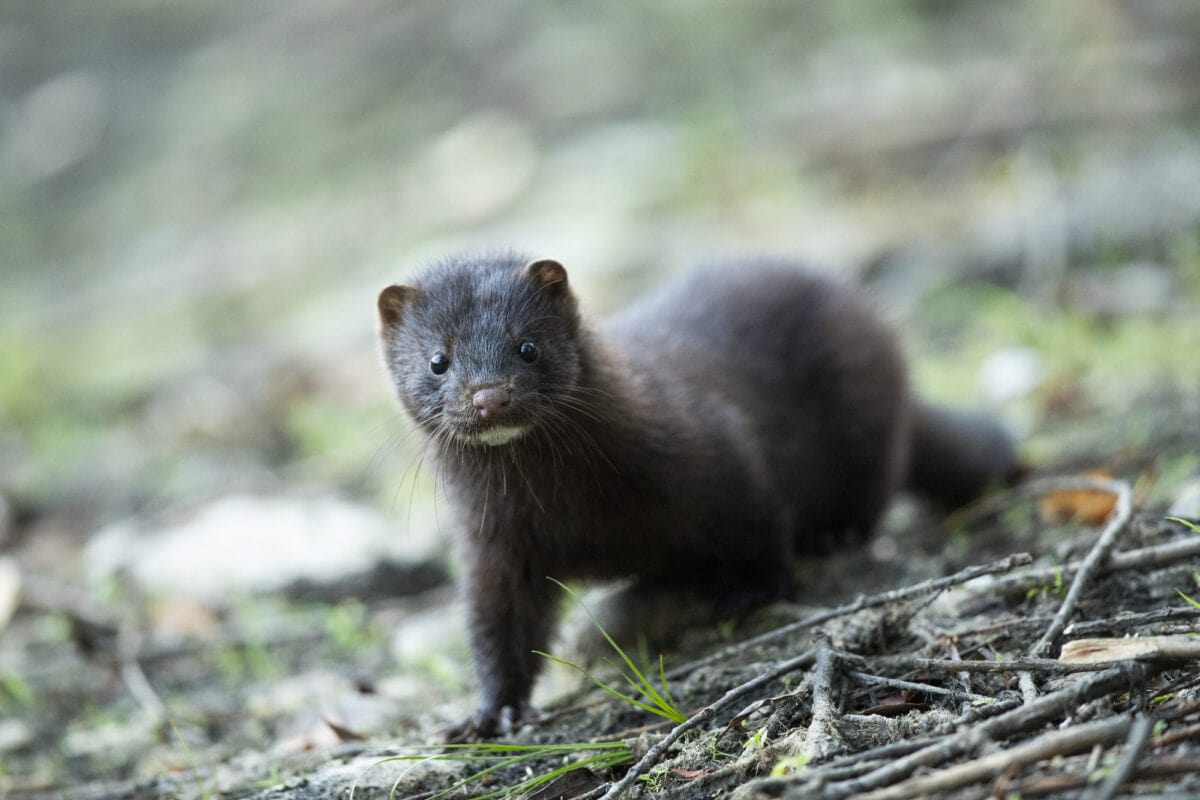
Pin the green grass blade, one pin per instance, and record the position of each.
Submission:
(662, 706)
(633, 701)
(1193, 603)
(662, 677)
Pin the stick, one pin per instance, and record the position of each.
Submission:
(1021, 718)
(1098, 555)
(863, 601)
(655, 753)
(1069, 741)
(919, 687)
(950, 665)
(821, 740)
(1139, 736)
(1160, 555)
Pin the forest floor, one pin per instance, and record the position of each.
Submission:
(223, 572)
(926, 665)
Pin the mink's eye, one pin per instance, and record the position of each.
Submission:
(528, 352)
(439, 363)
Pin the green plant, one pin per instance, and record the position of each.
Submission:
(348, 626)
(656, 702)
(1187, 523)
(15, 687)
(604, 755)
(1058, 589)
(273, 778)
(1191, 602)
(789, 765)
(208, 789)
(654, 778)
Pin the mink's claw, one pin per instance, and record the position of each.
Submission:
(487, 724)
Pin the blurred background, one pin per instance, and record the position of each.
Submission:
(199, 202)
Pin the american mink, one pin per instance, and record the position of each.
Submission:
(703, 436)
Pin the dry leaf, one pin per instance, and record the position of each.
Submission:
(1145, 648)
(1086, 505)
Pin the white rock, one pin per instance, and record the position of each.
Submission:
(14, 734)
(1186, 504)
(10, 589)
(242, 544)
(1010, 374)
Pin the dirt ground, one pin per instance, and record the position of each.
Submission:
(225, 569)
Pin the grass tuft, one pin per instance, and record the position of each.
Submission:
(1187, 523)
(659, 703)
(603, 755)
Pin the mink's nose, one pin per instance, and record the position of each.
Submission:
(492, 401)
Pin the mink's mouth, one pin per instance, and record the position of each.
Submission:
(489, 434)
(497, 435)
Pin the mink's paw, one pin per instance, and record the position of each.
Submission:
(487, 724)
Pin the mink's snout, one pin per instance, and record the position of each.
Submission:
(492, 402)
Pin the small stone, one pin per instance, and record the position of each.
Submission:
(14, 734)
(1010, 374)
(1187, 501)
(10, 589)
(245, 544)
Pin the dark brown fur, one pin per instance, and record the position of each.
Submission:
(703, 436)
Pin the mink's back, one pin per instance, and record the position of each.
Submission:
(797, 375)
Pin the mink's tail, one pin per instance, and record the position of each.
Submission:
(956, 455)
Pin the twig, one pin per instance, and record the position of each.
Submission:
(51, 595)
(820, 741)
(1139, 736)
(129, 642)
(895, 683)
(1099, 553)
(1159, 768)
(1068, 741)
(855, 764)
(1021, 718)
(1159, 555)
(1180, 735)
(861, 602)
(950, 665)
(655, 753)
(1106, 625)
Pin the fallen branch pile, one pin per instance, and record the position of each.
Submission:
(904, 694)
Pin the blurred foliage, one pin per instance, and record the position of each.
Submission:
(200, 200)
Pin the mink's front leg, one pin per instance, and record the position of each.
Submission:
(510, 611)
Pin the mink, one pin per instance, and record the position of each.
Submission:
(742, 415)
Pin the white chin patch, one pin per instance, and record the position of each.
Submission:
(501, 434)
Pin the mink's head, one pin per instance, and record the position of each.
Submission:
(483, 350)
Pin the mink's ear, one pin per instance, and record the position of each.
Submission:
(547, 274)
(392, 303)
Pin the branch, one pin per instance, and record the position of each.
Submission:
(1139, 736)
(1021, 718)
(655, 753)
(1068, 741)
(925, 688)
(930, 586)
(1091, 565)
(1098, 555)
(821, 739)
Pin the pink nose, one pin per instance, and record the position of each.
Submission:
(492, 401)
